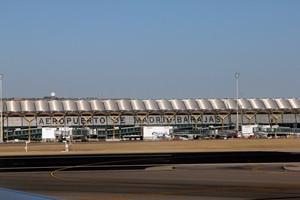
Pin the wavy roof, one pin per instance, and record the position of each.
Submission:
(131, 106)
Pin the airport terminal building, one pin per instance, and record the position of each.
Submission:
(127, 117)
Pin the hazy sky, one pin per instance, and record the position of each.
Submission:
(156, 49)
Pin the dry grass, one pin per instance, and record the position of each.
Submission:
(153, 146)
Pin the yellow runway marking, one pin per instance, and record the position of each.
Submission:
(53, 174)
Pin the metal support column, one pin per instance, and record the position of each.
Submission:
(114, 119)
(29, 120)
(249, 117)
(142, 119)
(223, 117)
(169, 118)
(196, 119)
(86, 119)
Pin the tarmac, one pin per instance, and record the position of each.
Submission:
(23, 148)
(132, 146)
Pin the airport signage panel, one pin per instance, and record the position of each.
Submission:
(19, 121)
(85, 120)
(129, 120)
(263, 119)
(288, 118)
(57, 121)
(180, 119)
(14, 121)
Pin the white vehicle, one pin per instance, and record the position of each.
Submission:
(160, 135)
(157, 132)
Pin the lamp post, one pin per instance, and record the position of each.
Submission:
(241, 95)
(1, 110)
(237, 76)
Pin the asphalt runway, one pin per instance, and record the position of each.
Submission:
(261, 181)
